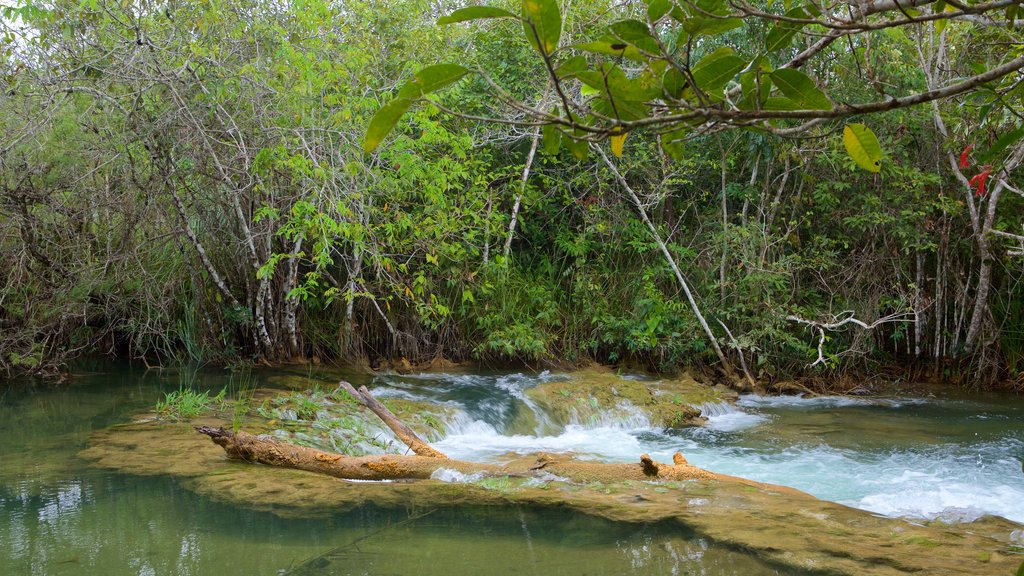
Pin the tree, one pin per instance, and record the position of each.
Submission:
(687, 69)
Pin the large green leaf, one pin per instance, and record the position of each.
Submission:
(612, 81)
(612, 48)
(542, 23)
(1001, 144)
(570, 67)
(715, 69)
(782, 33)
(862, 145)
(551, 136)
(672, 143)
(384, 121)
(799, 87)
(431, 79)
(636, 33)
(658, 8)
(700, 26)
(474, 13)
(674, 82)
(578, 148)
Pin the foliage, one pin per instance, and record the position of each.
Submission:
(185, 403)
(189, 184)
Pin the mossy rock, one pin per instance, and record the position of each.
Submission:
(333, 421)
(595, 395)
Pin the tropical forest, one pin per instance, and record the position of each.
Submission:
(560, 287)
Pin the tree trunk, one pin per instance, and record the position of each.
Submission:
(519, 197)
(726, 365)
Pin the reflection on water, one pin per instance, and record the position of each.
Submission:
(58, 517)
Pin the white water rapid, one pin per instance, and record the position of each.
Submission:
(920, 458)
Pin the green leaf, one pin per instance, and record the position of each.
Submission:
(431, 79)
(474, 13)
(383, 122)
(755, 78)
(551, 136)
(698, 26)
(656, 9)
(612, 48)
(571, 66)
(672, 143)
(1001, 144)
(612, 81)
(780, 103)
(620, 109)
(716, 69)
(862, 145)
(782, 32)
(579, 148)
(674, 82)
(799, 87)
(542, 23)
(636, 33)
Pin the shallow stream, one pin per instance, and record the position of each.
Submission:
(952, 459)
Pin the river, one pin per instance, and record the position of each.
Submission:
(954, 458)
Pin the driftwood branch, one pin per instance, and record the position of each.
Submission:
(403, 432)
(837, 322)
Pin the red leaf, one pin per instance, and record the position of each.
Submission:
(964, 155)
(978, 182)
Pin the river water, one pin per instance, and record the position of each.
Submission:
(951, 459)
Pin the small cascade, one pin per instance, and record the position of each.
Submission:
(726, 417)
(623, 416)
(715, 409)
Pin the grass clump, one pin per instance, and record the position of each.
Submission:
(185, 404)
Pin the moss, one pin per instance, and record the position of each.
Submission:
(592, 394)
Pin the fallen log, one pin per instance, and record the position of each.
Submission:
(270, 451)
(267, 450)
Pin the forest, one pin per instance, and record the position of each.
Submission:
(769, 189)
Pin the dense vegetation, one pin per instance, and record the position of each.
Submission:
(186, 182)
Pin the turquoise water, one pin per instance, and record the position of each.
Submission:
(58, 516)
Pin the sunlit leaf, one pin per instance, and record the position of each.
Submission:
(801, 88)
(383, 122)
(612, 48)
(475, 13)
(431, 79)
(542, 23)
(862, 145)
(617, 142)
